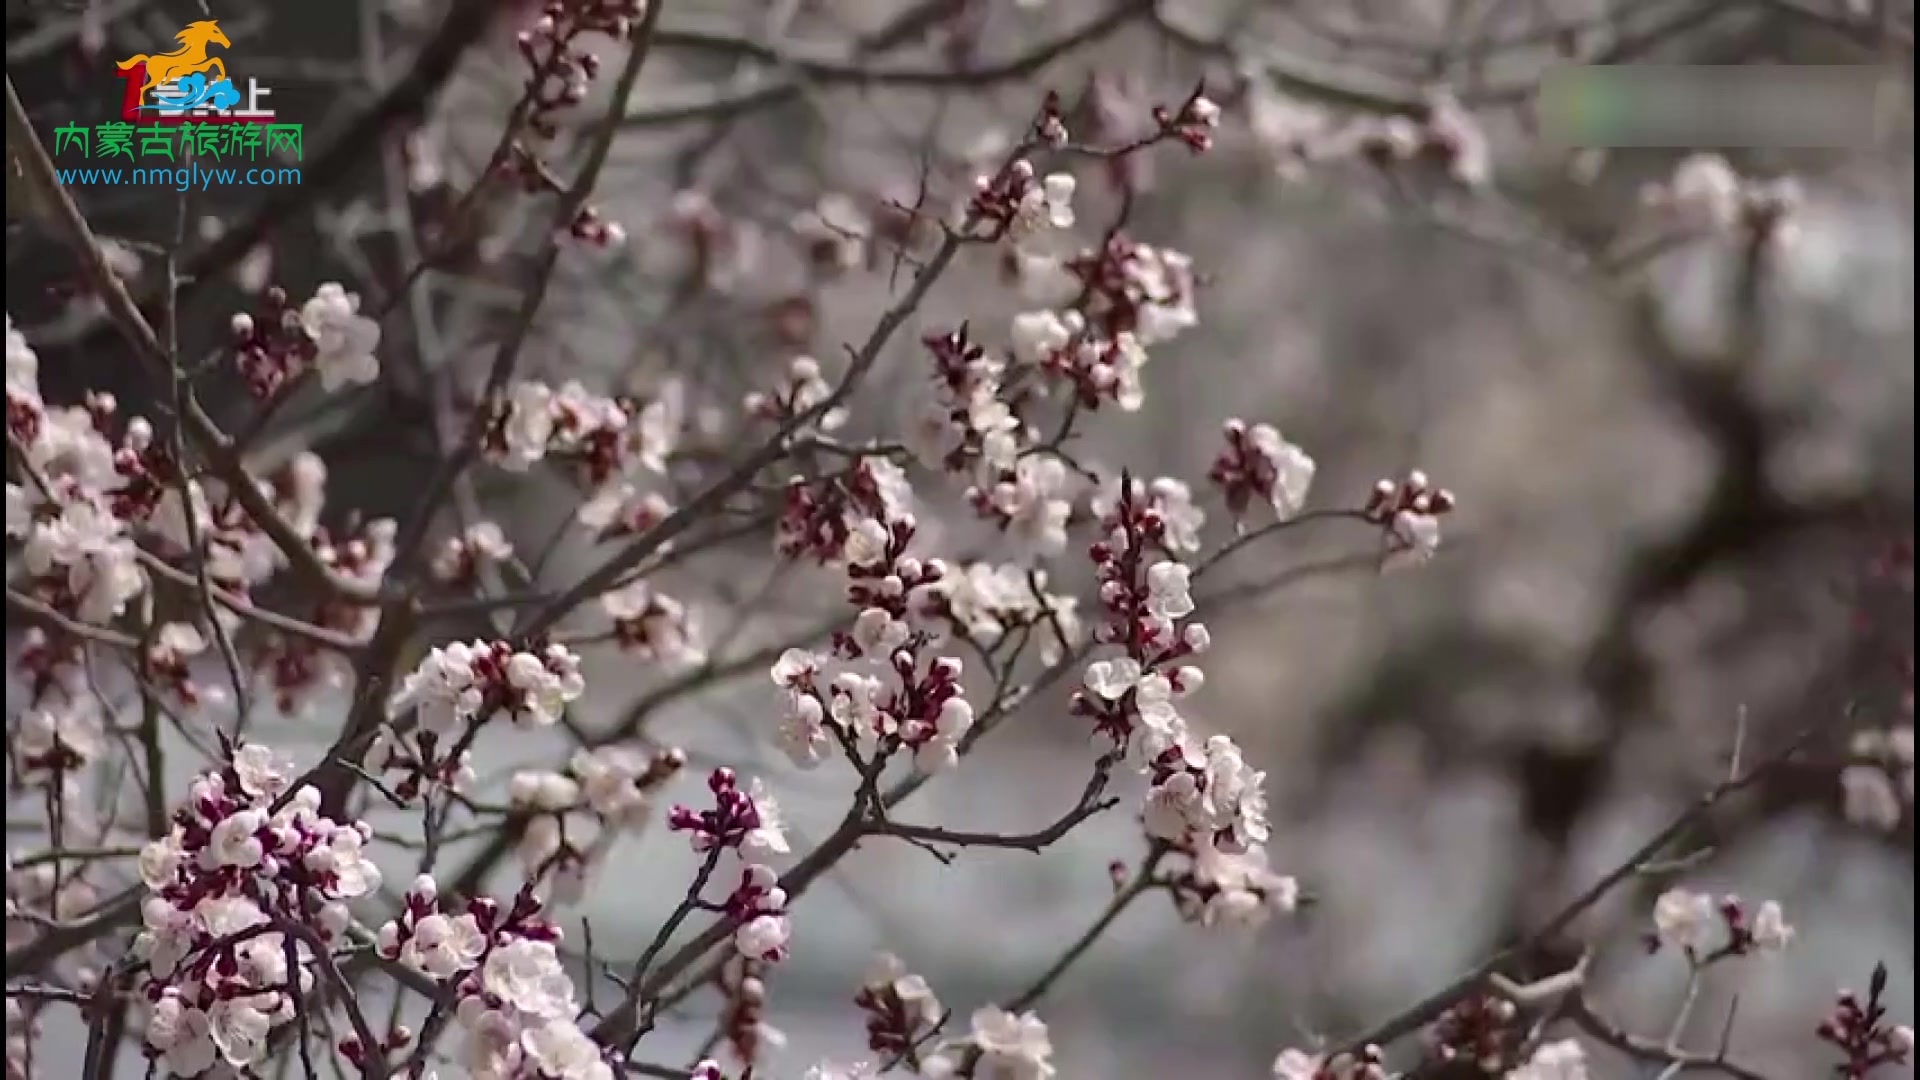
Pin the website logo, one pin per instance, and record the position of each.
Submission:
(189, 82)
(184, 123)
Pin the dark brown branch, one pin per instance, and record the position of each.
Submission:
(1089, 804)
(1641, 1048)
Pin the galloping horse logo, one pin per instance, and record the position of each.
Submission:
(179, 79)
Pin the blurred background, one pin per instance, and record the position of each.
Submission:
(1686, 508)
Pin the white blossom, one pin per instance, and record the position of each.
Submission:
(877, 633)
(239, 1030)
(562, 1051)
(795, 668)
(1416, 538)
(1246, 892)
(803, 731)
(1168, 594)
(263, 772)
(1296, 1065)
(771, 837)
(442, 688)
(1111, 679)
(1704, 191)
(1868, 798)
(1684, 919)
(1046, 205)
(1037, 335)
(609, 780)
(527, 975)
(1012, 1047)
(887, 972)
(527, 426)
(1032, 503)
(762, 936)
(234, 841)
(1165, 279)
(343, 339)
(1292, 469)
(98, 562)
(183, 1035)
(481, 543)
(1564, 1059)
(1183, 518)
(1470, 154)
(1771, 932)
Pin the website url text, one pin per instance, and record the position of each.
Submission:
(192, 177)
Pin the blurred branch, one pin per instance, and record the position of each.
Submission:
(1580, 1013)
(133, 325)
(465, 22)
(337, 773)
(1427, 1010)
(56, 33)
(829, 72)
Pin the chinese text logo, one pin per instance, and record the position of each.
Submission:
(184, 123)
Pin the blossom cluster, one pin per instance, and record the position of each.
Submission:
(1562, 1059)
(803, 390)
(1256, 463)
(455, 690)
(652, 625)
(900, 1007)
(1706, 193)
(511, 993)
(748, 823)
(84, 493)
(561, 68)
(1861, 1032)
(1115, 301)
(1103, 309)
(1705, 928)
(1409, 512)
(1877, 787)
(1300, 137)
(819, 516)
(1203, 800)
(297, 670)
(326, 335)
(247, 884)
(607, 443)
(890, 691)
(989, 601)
(573, 817)
(1001, 1044)
(1016, 202)
(245, 918)
(61, 729)
(96, 516)
(462, 555)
